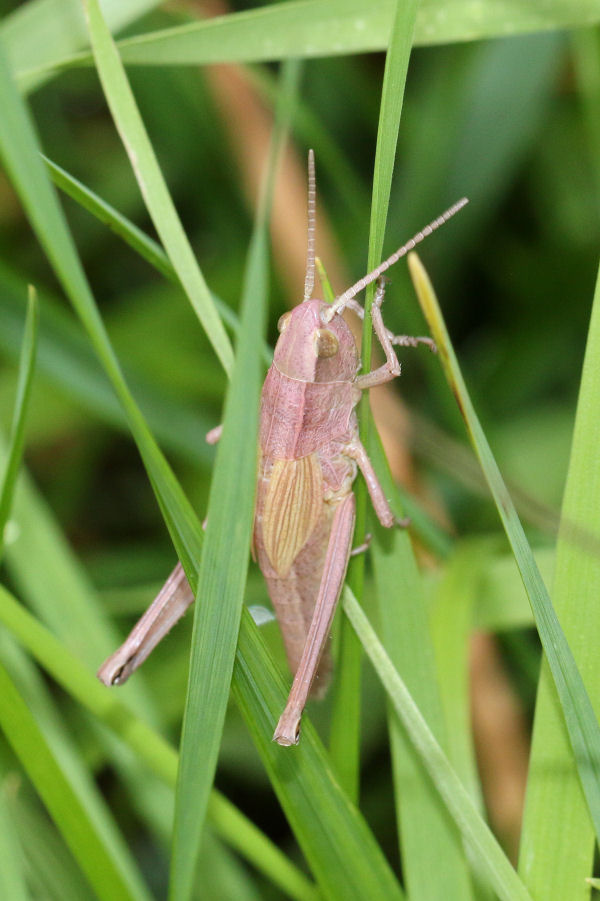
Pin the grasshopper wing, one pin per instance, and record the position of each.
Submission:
(293, 504)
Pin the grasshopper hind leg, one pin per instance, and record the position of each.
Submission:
(334, 570)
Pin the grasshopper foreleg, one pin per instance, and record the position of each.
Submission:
(334, 570)
(391, 368)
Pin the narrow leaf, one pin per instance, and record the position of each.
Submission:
(582, 725)
(310, 28)
(150, 179)
(425, 832)
(221, 581)
(476, 833)
(63, 804)
(561, 863)
(12, 859)
(345, 720)
(17, 431)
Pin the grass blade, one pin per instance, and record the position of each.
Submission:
(17, 431)
(476, 833)
(315, 28)
(425, 832)
(310, 28)
(12, 859)
(63, 804)
(345, 720)
(162, 210)
(221, 583)
(341, 851)
(561, 863)
(582, 726)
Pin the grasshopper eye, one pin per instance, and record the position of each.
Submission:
(283, 321)
(327, 344)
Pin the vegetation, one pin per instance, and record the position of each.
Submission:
(155, 199)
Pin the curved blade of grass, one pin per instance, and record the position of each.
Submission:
(147, 171)
(313, 28)
(222, 577)
(70, 816)
(159, 756)
(342, 850)
(426, 834)
(221, 582)
(345, 717)
(581, 722)
(562, 863)
(310, 28)
(137, 239)
(475, 832)
(17, 431)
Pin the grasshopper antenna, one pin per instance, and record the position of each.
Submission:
(340, 302)
(309, 281)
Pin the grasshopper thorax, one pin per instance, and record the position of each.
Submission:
(311, 350)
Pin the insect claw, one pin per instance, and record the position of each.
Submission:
(361, 548)
(403, 522)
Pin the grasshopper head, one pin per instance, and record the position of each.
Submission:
(311, 350)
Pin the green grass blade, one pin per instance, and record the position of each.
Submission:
(425, 832)
(340, 849)
(314, 28)
(476, 833)
(152, 184)
(63, 804)
(561, 863)
(310, 28)
(12, 870)
(221, 583)
(156, 754)
(345, 720)
(452, 614)
(17, 432)
(582, 726)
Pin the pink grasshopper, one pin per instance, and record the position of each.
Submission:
(309, 455)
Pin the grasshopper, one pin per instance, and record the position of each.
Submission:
(309, 456)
